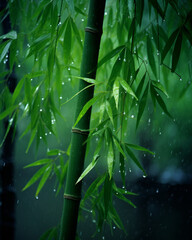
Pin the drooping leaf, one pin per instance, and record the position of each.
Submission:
(7, 112)
(127, 88)
(176, 51)
(44, 178)
(157, 7)
(110, 55)
(4, 48)
(142, 105)
(135, 160)
(162, 105)
(139, 148)
(116, 92)
(150, 54)
(110, 160)
(67, 42)
(35, 177)
(159, 86)
(169, 44)
(33, 134)
(109, 111)
(107, 193)
(18, 90)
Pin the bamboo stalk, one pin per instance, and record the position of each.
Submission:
(72, 195)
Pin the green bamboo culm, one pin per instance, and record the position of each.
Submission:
(72, 195)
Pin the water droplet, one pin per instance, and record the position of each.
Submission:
(97, 139)
(124, 113)
(72, 62)
(132, 116)
(157, 191)
(144, 176)
(17, 201)
(85, 8)
(69, 79)
(45, 134)
(31, 79)
(181, 79)
(41, 110)
(36, 59)
(59, 23)
(19, 65)
(105, 13)
(159, 133)
(129, 169)
(50, 133)
(157, 53)
(68, 68)
(82, 19)
(94, 221)
(28, 45)
(60, 97)
(114, 227)
(119, 59)
(124, 59)
(63, 83)
(54, 190)
(40, 137)
(37, 197)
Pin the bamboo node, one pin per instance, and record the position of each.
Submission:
(72, 197)
(92, 30)
(79, 131)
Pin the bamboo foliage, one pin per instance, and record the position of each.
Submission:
(140, 50)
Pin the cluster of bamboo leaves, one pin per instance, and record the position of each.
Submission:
(136, 45)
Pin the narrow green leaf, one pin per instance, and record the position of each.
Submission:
(86, 107)
(76, 32)
(159, 86)
(139, 148)
(176, 51)
(150, 54)
(169, 44)
(7, 112)
(142, 105)
(4, 49)
(187, 34)
(157, 7)
(107, 193)
(88, 168)
(70, 5)
(127, 88)
(67, 42)
(135, 160)
(33, 134)
(109, 111)
(110, 160)
(9, 35)
(39, 162)
(89, 80)
(18, 89)
(119, 146)
(110, 55)
(116, 92)
(44, 178)
(162, 104)
(35, 177)
(53, 152)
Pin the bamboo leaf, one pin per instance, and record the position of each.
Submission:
(107, 193)
(159, 86)
(44, 178)
(18, 89)
(86, 107)
(109, 111)
(33, 133)
(150, 54)
(162, 104)
(169, 44)
(76, 32)
(135, 160)
(116, 92)
(4, 49)
(39, 162)
(110, 55)
(157, 7)
(9, 35)
(110, 160)
(70, 5)
(88, 168)
(142, 105)
(177, 51)
(67, 42)
(35, 177)
(53, 152)
(7, 112)
(127, 88)
(139, 148)
(119, 146)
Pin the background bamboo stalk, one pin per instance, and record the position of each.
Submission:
(72, 194)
